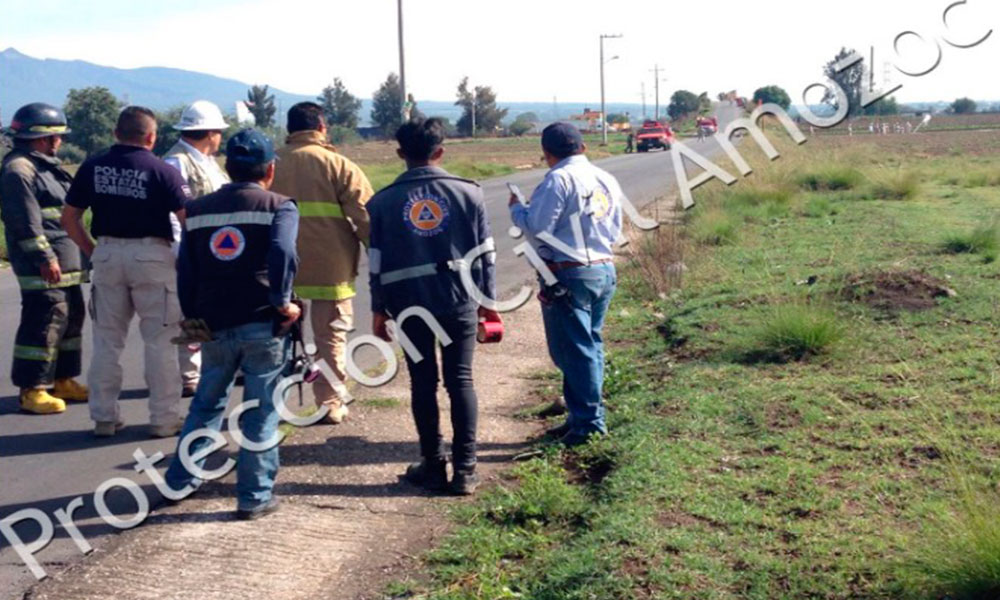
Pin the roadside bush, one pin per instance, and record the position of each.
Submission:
(797, 332)
(895, 185)
(831, 179)
(658, 256)
(70, 154)
(958, 556)
(982, 240)
(976, 179)
(715, 228)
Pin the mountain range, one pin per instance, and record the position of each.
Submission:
(25, 79)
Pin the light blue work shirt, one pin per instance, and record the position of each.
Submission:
(573, 191)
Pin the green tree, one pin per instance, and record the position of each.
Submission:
(387, 105)
(520, 127)
(772, 94)
(261, 105)
(964, 106)
(851, 80)
(484, 100)
(884, 107)
(618, 118)
(339, 106)
(527, 117)
(683, 103)
(92, 113)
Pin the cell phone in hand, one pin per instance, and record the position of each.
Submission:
(517, 193)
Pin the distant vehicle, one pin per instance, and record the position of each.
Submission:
(654, 134)
(707, 126)
(710, 125)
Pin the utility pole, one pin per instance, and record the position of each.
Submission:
(656, 84)
(643, 100)
(473, 111)
(604, 114)
(402, 58)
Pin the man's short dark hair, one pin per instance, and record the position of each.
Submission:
(197, 135)
(135, 123)
(241, 172)
(419, 138)
(305, 116)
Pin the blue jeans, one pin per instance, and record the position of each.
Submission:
(573, 326)
(262, 357)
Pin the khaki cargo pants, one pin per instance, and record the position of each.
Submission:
(135, 276)
(331, 321)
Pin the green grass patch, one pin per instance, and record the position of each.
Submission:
(895, 185)
(715, 227)
(841, 477)
(382, 402)
(797, 332)
(831, 179)
(983, 240)
(381, 175)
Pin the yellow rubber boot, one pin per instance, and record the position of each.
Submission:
(41, 402)
(70, 390)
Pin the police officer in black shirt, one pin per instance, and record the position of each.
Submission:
(131, 194)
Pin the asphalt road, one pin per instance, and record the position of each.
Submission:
(46, 462)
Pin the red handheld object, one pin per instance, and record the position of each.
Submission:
(489, 332)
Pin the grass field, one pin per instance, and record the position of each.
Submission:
(814, 413)
(471, 158)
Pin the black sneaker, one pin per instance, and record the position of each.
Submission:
(558, 431)
(430, 475)
(464, 483)
(257, 512)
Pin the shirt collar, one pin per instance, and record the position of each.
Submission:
(576, 159)
(244, 184)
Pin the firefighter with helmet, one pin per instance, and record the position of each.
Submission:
(47, 263)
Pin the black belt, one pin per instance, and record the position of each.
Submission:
(572, 264)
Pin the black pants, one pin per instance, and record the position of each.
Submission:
(47, 346)
(456, 363)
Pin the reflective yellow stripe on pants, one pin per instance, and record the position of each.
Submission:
(341, 291)
(35, 353)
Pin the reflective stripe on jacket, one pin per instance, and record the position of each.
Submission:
(33, 189)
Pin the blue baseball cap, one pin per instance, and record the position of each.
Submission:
(562, 140)
(250, 147)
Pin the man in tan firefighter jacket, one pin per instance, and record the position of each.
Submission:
(47, 263)
(331, 192)
(201, 128)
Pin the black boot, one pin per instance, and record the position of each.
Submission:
(429, 474)
(464, 482)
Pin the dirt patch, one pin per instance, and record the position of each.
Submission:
(896, 290)
(591, 471)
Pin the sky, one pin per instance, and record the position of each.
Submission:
(527, 50)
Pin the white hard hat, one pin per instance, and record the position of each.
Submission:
(201, 116)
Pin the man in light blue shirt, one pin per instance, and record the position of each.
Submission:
(573, 221)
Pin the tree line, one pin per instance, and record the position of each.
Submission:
(342, 108)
